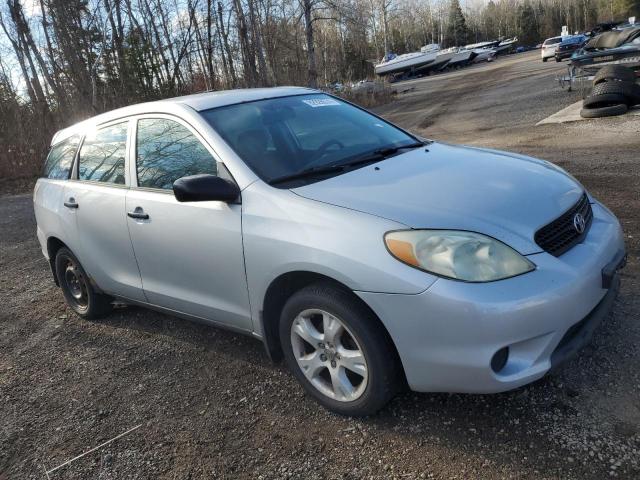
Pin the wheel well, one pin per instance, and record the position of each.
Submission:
(53, 245)
(281, 289)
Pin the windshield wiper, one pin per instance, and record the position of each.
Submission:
(307, 172)
(378, 155)
(391, 150)
(371, 157)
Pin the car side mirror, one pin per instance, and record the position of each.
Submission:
(205, 188)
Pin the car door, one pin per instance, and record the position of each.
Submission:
(190, 254)
(97, 194)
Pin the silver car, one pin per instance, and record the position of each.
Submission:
(368, 258)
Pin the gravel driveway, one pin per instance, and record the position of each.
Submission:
(210, 405)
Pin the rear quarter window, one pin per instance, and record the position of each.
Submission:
(60, 159)
(552, 41)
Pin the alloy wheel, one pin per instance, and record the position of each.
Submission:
(329, 355)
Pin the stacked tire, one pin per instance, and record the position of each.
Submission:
(614, 91)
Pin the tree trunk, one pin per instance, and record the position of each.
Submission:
(311, 54)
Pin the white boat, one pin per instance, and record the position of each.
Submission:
(483, 51)
(405, 62)
(444, 57)
(474, 46)
(506, 45)
(455, 56)
(485, 54)
(461, 57)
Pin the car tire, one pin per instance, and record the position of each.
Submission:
(614, 72)
(370, 378)
(557, 60)
(544, 59)
(606, 111)
(77, 289)
(599, 100)
(629, 90)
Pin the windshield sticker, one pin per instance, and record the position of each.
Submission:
(321, 102)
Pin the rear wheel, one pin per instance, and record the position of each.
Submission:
(337, 350)
(77, 289)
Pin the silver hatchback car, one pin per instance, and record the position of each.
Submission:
(369, 258)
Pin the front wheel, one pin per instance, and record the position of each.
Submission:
(77, 289)
(337, 350)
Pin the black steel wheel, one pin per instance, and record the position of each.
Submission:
(77, 289)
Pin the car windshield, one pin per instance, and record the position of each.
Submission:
(291, 136)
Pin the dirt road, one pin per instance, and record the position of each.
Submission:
(210, 404)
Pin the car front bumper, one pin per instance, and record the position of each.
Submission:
(448, 335)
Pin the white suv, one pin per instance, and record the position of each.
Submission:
(549, 47)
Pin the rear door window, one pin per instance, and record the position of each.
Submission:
(102, 155)
(166, 151)
(60, 159)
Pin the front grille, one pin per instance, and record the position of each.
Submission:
(561, 235)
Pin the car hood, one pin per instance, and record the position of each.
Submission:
(507, 196)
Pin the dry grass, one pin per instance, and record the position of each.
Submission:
(15, 186)
(378, 94)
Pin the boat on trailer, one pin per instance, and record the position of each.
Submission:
(505, 46)
(483, 51)
(485, 54)
(408, 62)
(443, 57)
(460, 58)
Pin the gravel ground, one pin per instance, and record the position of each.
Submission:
(210, 405)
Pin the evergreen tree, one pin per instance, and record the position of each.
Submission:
(457, 32)
(528, 33)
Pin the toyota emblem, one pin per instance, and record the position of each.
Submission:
(579, 223)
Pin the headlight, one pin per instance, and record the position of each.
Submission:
(460, 255)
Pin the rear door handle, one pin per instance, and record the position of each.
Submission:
(71, 204)
(138, 215)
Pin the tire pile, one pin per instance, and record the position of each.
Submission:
(614, 91)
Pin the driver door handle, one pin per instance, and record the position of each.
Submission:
(71, 203)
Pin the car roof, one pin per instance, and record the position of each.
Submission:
(198, 102)
(221, 98)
